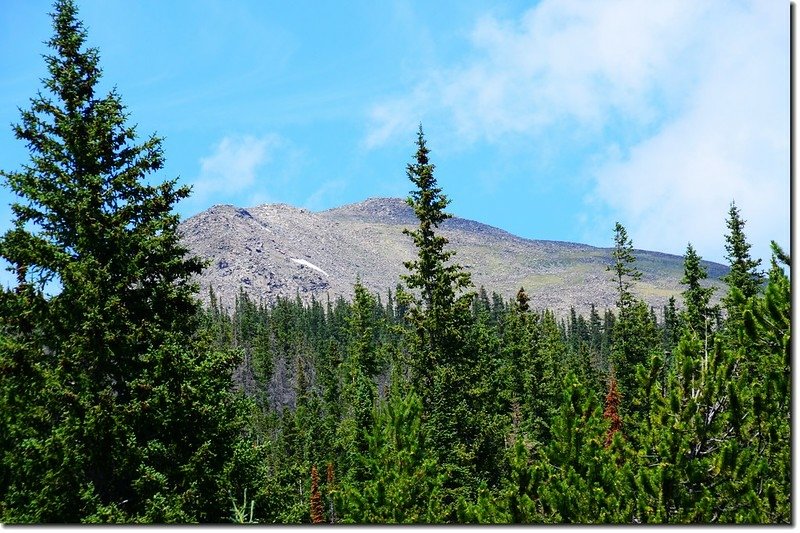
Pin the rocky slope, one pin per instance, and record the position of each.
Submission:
(278, 250)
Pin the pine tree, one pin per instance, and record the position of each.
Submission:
(624, 269)
(699, 315)
(542, 373)
(438, 316)
(744, 282)
(358, 394)
(609, 324)
(580, 479)
(671, 329)
(634, 334)
(495, 387)
(767, 349)
(688, 427)
(404, 483)
(744, 275)
(717, 437)
(597, 337)
(131, 417)
(443, 365)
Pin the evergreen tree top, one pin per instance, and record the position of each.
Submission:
(85, 214)
(623, 267)
(438, 279)
(73, 70)
(693, 270)
(696, 296)
(427, 199)
(744, 274)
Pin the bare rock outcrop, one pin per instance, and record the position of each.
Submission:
(276, 250)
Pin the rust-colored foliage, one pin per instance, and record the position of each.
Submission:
(611, 412)
(317, 513)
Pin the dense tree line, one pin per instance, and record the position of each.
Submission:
(123, 400)
(521, 416)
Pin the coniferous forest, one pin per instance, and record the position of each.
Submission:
(124, 400)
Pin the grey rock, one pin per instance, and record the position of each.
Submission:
(276, 250)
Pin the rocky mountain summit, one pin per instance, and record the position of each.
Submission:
(277, 250)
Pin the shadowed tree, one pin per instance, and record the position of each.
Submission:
(522, 300)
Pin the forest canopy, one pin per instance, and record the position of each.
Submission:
(123, 400)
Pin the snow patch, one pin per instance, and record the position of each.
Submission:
(310, 265)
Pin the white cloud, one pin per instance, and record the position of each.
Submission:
(232, 168)
(322, 196)
(397, 117)
(699, 89)
(562, 58)
(730, 143)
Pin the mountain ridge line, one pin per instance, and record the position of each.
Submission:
(279, 250)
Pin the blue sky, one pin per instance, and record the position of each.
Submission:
(549, 119)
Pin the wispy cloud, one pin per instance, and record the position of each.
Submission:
(560, 59)
(731, 142)
(394, 117)
(325, 195)
(232, 166)
(685, 104)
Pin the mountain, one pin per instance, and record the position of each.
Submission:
(277, 250)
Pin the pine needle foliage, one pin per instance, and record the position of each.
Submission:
(123, 412)
(744, 273)
(439, 313)
(699, 314)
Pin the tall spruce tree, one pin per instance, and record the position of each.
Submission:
(440, 308)
(699, 315)
(624, 268)
(443, 364)
(634, 333)
(125, 413)
(440, 315)
(744, 275)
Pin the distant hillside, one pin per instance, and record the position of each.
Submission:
(278, 250)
